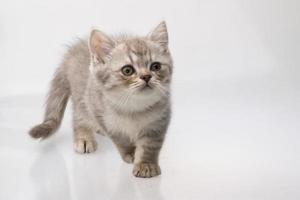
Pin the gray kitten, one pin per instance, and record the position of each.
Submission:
(120, 87)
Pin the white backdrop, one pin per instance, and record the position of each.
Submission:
(220, 40)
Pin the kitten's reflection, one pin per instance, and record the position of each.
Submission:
(131, 188)
(50, 176)
(90, 179)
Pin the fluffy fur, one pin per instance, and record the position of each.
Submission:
(132, 111)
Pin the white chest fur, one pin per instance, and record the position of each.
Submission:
(128, 125)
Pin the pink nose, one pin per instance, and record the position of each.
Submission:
(146, 78)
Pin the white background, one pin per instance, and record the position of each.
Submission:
(235, 129)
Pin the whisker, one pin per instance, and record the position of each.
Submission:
(161, 89)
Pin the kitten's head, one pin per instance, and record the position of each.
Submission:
(134, 72)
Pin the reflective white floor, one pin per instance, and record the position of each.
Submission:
(228, 140)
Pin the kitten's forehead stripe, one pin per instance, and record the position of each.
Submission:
(138, 52)
(139, 47)
(134, 58)
(130, 57)
(128, 53)
(150, 57)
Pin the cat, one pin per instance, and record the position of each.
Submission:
(120, 87)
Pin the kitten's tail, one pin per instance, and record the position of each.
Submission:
(55, 106)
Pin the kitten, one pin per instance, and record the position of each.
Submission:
(120, 87)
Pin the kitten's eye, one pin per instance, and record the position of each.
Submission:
(128, 70)
(156, 66)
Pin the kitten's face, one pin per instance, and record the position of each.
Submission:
(137, 73)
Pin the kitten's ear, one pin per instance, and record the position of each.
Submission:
(160, 34)
(100, 45)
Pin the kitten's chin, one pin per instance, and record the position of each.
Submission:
(139, 101)
(146, 90)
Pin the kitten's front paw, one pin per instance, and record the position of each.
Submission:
(85, 146)
(128, 158)
(146, 170)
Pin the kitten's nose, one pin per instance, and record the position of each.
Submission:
(146, 78)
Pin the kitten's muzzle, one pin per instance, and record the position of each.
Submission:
(146, 77)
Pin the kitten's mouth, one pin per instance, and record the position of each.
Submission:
(146, 87)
